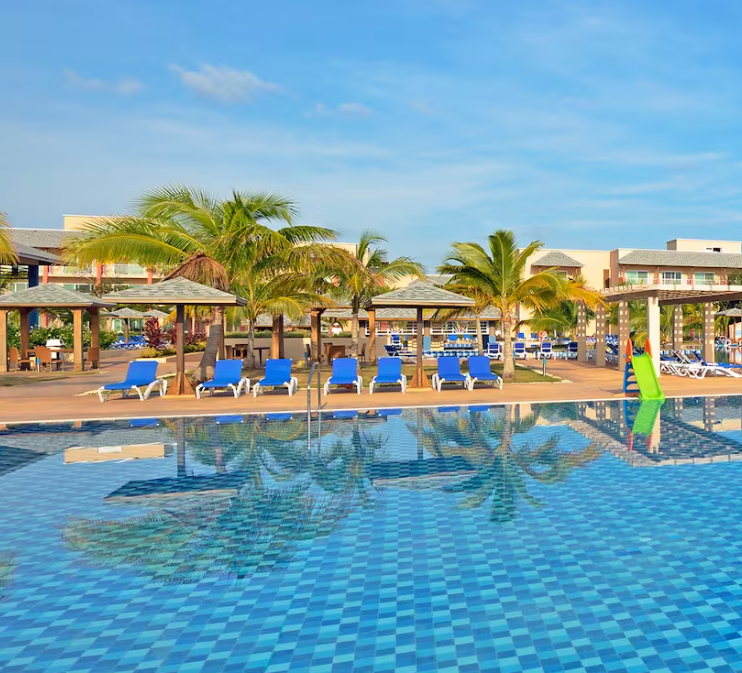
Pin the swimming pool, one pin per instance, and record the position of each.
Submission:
(601, 536)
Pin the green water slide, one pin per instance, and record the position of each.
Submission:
(646, 378)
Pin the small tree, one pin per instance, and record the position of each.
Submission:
(153, 334)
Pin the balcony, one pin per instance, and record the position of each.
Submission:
(124, 271)
(72, 271)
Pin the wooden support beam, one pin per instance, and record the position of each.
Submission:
(371, 335)
(181, 385)
(3, 341)
(419, 380)
(77, 363)
(25, 334)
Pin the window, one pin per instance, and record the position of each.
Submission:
(637, 277)
(671, 277)
(713, 249)
(703, 277)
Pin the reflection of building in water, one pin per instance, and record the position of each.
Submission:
(690, 430)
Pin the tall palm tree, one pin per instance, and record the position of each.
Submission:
(498, 273)
(192, 234)
(371, 274)
(7, 251)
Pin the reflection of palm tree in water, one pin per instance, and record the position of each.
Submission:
(7, 568)
(257, 529)
(343, 467)
(502, 468)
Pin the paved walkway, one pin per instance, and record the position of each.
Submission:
(62, 400)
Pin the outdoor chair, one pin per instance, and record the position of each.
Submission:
(545, 350)
(494, 350)
(141, 374)
(449, 371)
(92, 357)
(277, 375)
(15, 361)
(344, 373)
(391, 350)
(227, 376)
(389, 373)
(519, 350)
(46, 359)
(572, 350)
(479, 370)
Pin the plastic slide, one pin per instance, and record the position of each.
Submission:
(646, 378)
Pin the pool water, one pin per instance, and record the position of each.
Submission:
(601, 536)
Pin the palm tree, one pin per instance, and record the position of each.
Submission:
(498, 274)
(192, 234)
(7, 251)
(371, 274)
(563, 317)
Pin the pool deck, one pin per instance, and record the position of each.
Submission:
(64, 399)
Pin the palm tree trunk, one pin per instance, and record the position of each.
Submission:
(508, 368)
(251, 344)
(213, 342)
(354, 331)
(479, 335)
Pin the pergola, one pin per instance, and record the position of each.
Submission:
(50, 296)
(178, 292)
(125, 314)
(420, 295)
(655, 296)
(156, 314)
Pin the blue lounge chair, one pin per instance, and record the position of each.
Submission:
(479, 370)
(545, 351)
(519, 351)
(572, 350)
(227, 375)
(141, 374)
(277, 375)
(392, 350)
(389, 374)
(494, 350)
(449, 371)
(344, 373)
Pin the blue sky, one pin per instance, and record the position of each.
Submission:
(583, 124)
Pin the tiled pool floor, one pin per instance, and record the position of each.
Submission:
(505, 539)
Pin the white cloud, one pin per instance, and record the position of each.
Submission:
(343, 110)
(224, 84)
(123, 87)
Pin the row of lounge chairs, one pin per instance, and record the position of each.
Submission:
(142, 378)
(692, 365)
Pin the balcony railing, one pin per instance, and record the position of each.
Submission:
(682, 283)
(71, 270)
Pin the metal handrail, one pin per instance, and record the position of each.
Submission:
(315, 366)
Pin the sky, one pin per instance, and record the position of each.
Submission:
(585, 125)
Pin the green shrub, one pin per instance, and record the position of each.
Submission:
(40, 335)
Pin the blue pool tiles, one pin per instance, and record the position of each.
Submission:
(528, 539)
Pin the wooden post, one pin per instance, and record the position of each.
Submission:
(25, 332)
(77, 340)
(126, 330)
(181, 385)
(371, 335)
(316, 331)
(277, 336)
(95, 334)
(3, 341)
(419, 380)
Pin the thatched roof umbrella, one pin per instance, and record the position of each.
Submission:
(178, 292)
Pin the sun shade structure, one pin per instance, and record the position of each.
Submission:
(154, 313)
(420, 295)
(125, 314)
(178, 292)
(50, 296)
(559, 259)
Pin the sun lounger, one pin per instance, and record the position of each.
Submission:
(545, 350)
(344, 373)
(479, 371)
(572, 350)
(389, 373)
(519, 350)
(227, 375)
(449, 371)
(494, 350)
(141, 374)
(277, 375)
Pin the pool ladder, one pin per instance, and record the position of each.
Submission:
(315, 367)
